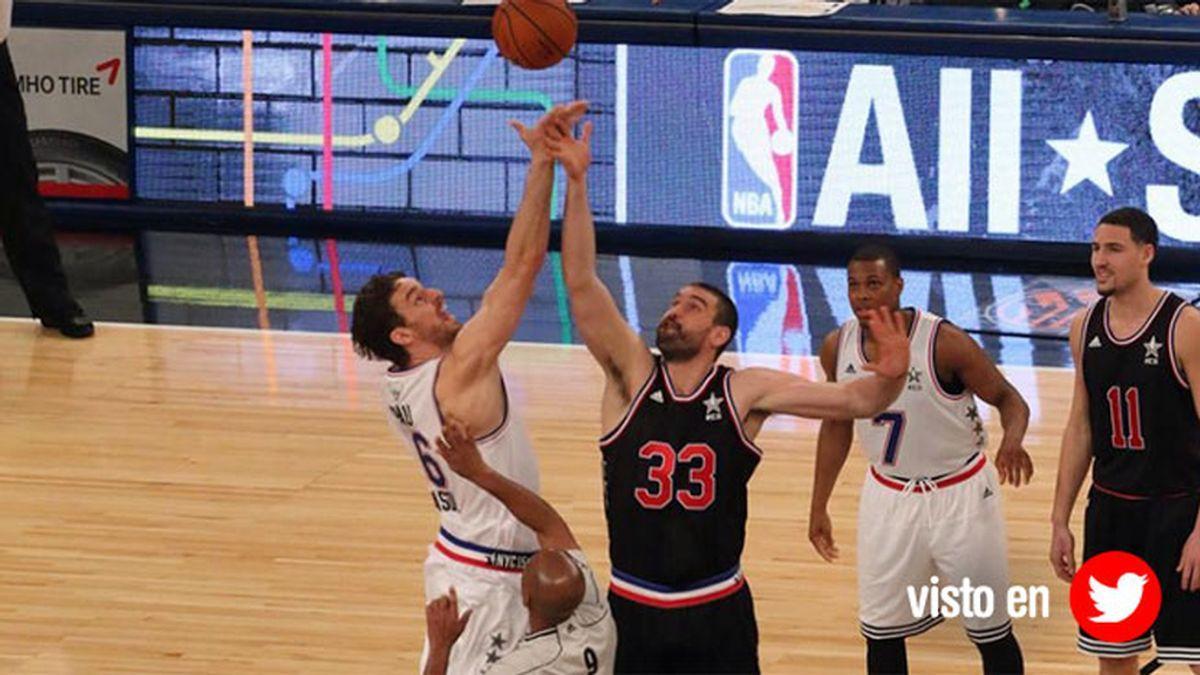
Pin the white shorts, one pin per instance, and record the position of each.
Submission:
(498, 619)
(951, 527)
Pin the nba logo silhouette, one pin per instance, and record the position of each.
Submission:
(771, 304)
(758, 158)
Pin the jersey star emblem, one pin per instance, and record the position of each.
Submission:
(973, 413)
(498, 641)
(914, 378)
(1152, 346)
(492, 656)
(712, 407)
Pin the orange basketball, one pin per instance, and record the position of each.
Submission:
(534, 34)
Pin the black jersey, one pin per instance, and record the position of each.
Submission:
(675, 475)
(1145, 434)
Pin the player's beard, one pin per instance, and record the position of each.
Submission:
(673, 343)
(445, 334)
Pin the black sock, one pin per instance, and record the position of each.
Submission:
(887, 657)
(1002, 657)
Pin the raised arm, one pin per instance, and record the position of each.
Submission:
(484, 336)
(773, 391)
(616, 347)
(462, 455)
(833, 446)
(1074, 460)
(963, 357)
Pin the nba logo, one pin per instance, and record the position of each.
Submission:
(771, 303)
(758, 158)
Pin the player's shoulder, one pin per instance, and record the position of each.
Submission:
(1187, 323)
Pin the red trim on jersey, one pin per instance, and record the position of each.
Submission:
(696, 392)
(470, 561)
(948, 481)
(677, 604)
(1138, 498)
(1179, 374)
(737, 419)
(615, 433)
(933, 374)
(1146, 324)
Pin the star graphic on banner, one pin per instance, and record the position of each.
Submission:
(1087, 157)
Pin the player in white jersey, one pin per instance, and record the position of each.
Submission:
(930, 505)
(440, 366)
(571, 630)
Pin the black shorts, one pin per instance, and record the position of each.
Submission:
(717, 637)
(1154, 530)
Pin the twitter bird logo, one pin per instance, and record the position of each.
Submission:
(1117, 604)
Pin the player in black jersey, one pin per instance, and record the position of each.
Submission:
(1135, 419)
(678, 451)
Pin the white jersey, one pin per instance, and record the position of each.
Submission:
(585, 644)
(927, 432)
(476, 528)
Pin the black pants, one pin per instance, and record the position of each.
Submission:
(25, 226)
(1154, 530)
(718, 637)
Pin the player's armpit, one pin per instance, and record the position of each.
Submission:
(478, 345)
(620, 351)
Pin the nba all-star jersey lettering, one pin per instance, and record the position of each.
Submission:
(1145, 435)
(675, 474)
(927, 431)
(475, 527)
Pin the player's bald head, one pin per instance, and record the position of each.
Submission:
(552, 586)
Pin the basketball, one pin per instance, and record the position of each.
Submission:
(534, 34)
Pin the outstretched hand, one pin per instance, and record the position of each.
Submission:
(458, 448)
(891, 341)
(534, 137)
(575, 154)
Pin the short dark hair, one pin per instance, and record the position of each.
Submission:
(727, 314)
(873, 252)
(374, 319)
(1142, 228)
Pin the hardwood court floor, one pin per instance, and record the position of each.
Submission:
(207, 501)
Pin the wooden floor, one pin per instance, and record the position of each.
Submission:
(206, 501)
